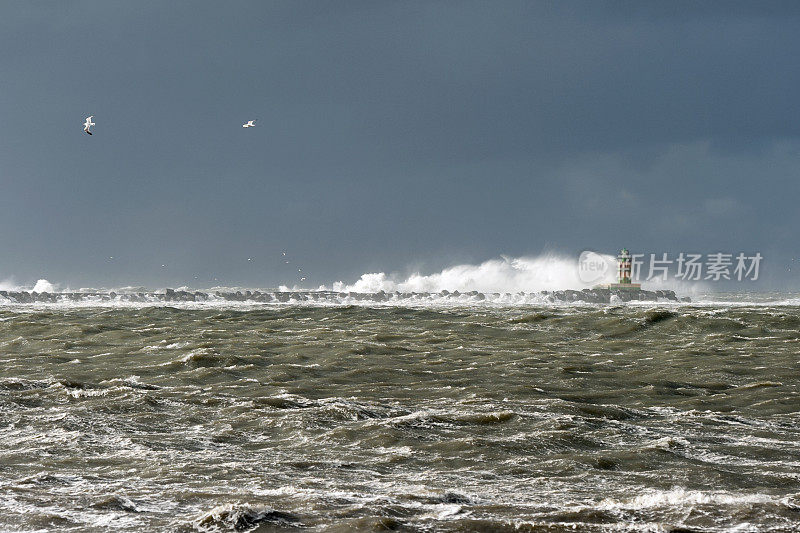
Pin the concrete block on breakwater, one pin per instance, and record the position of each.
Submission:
(596, 296)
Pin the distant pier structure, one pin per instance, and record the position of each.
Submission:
(624, 268)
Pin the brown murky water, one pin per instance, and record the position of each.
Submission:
(341, 418)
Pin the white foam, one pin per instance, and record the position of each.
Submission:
(679, 497)
(43, 285)
(507, 274)
(501, 281)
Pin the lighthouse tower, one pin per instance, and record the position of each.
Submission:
(624, 267)
(624, 270)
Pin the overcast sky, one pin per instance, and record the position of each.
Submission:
(391, 136)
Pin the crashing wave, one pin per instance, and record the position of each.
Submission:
(507, 274)
(507, 280)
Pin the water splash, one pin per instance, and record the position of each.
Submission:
(43, 285)
(507, 274)
(547, 272)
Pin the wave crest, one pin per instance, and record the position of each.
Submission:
(507, 274)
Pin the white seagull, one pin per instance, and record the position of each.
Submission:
(250, 124)
(88, 124)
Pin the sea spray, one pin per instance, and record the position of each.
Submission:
(43, 285)
(528, 274)
(546, 272)
(506, 274)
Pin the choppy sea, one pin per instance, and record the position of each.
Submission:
(520, 417)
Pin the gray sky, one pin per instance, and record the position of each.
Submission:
(391, 136)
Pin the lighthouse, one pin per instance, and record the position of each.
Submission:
(624, 272)
(624, 267)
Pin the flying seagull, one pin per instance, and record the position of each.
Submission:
(88, 124)
(250, 124)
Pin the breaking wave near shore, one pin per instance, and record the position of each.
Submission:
(506, 280)
(506, 274)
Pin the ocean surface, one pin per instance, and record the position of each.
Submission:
(425, 417)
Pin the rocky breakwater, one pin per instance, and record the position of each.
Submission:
(596, 296)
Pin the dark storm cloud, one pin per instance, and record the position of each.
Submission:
(390, 134)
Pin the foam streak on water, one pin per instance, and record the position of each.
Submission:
(522, 417)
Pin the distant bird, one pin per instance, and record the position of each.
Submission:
(302, 279)
(88, 124)
(250, 124)
(299, 269)
(249, 258)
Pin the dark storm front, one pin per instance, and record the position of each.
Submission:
(356, 418)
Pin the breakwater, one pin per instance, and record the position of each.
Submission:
(598, 296)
